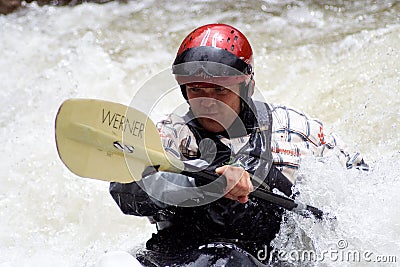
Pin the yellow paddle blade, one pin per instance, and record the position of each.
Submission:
(108, 141)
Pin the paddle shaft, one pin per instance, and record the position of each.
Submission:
(206, 176)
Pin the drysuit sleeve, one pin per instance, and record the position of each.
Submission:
(155, 192)
(133, 200)
(296, 135)
(334, 144)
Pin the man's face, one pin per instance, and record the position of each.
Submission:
(214, 107)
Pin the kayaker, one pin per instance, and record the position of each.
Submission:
(236, 137)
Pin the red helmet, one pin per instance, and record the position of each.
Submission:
(215, 54)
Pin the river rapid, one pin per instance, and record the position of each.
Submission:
(338, 61)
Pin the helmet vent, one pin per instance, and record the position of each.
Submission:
(218, 37)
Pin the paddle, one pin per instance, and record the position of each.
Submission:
(103, 140)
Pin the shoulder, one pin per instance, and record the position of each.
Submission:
(294, 121)
(284, 110)
(285, 114)
(176, 136)
(171, 125)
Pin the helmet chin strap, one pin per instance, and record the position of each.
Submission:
(247, 90)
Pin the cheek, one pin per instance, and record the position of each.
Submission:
(195, 104)
(234, 105)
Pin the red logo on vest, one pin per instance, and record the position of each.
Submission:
(321, 136)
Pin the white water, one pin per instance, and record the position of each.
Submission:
(337, 62)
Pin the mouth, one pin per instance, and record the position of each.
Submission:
(208, 115)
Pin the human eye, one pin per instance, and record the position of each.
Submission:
(194, 89)
(221, 90)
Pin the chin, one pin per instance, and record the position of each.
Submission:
(212, 126)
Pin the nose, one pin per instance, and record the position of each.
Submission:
(208, 98)
(208, 102)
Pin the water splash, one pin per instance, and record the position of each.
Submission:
(338, 62)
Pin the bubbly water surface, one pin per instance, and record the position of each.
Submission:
(336, 60)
